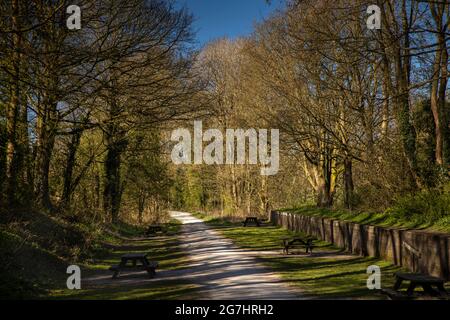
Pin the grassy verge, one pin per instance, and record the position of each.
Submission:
(164, 248)
(328, 274)
(330, 278)
(37, 248)
(429, 209)
(381, 219)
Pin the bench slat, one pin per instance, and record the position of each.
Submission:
(150, 268)
(135, 256)
(419, 278)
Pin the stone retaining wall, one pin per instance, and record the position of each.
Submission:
(396, 245)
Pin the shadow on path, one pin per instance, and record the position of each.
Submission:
(223, 271)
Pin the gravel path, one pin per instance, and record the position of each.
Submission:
(222, 270)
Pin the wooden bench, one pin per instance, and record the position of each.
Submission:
(153, 229)
(396, 295)
(253, 220)
(290, 243)
(134, 258)
(417, 279)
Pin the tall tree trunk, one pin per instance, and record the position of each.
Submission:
(111, 199)
(325, 181)
(435, 109)
(12, 113)
(2, 159)
(234, 190)
(439, 84)
(25, 156)
(395, 49)
(386, 97)
(248, 190)
(47, 119)
(115, 145)
(97, 188)
(348, 183)
(263, 196)
(70, 164)
(324, 195)
(444, 109)
(46, 132)
(403, 70)
(141, 205)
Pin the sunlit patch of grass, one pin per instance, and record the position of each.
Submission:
(326, 278)
(413, 212)
(266, 237)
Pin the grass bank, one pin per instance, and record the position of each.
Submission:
(39, 247)
(36, 249)
(426, 210)
(388, 218)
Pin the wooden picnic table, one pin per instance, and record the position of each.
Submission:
(417, 279)
(152, 229)
(293, 242)
(135, 258)
(253, 220)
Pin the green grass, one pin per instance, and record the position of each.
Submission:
(426, 209)
(267, 237)
(264, 238)
(332, 276)
(389, 218)
(329, 278)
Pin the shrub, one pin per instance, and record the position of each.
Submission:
(428, 206)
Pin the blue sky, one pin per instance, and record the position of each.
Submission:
(227, 18)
